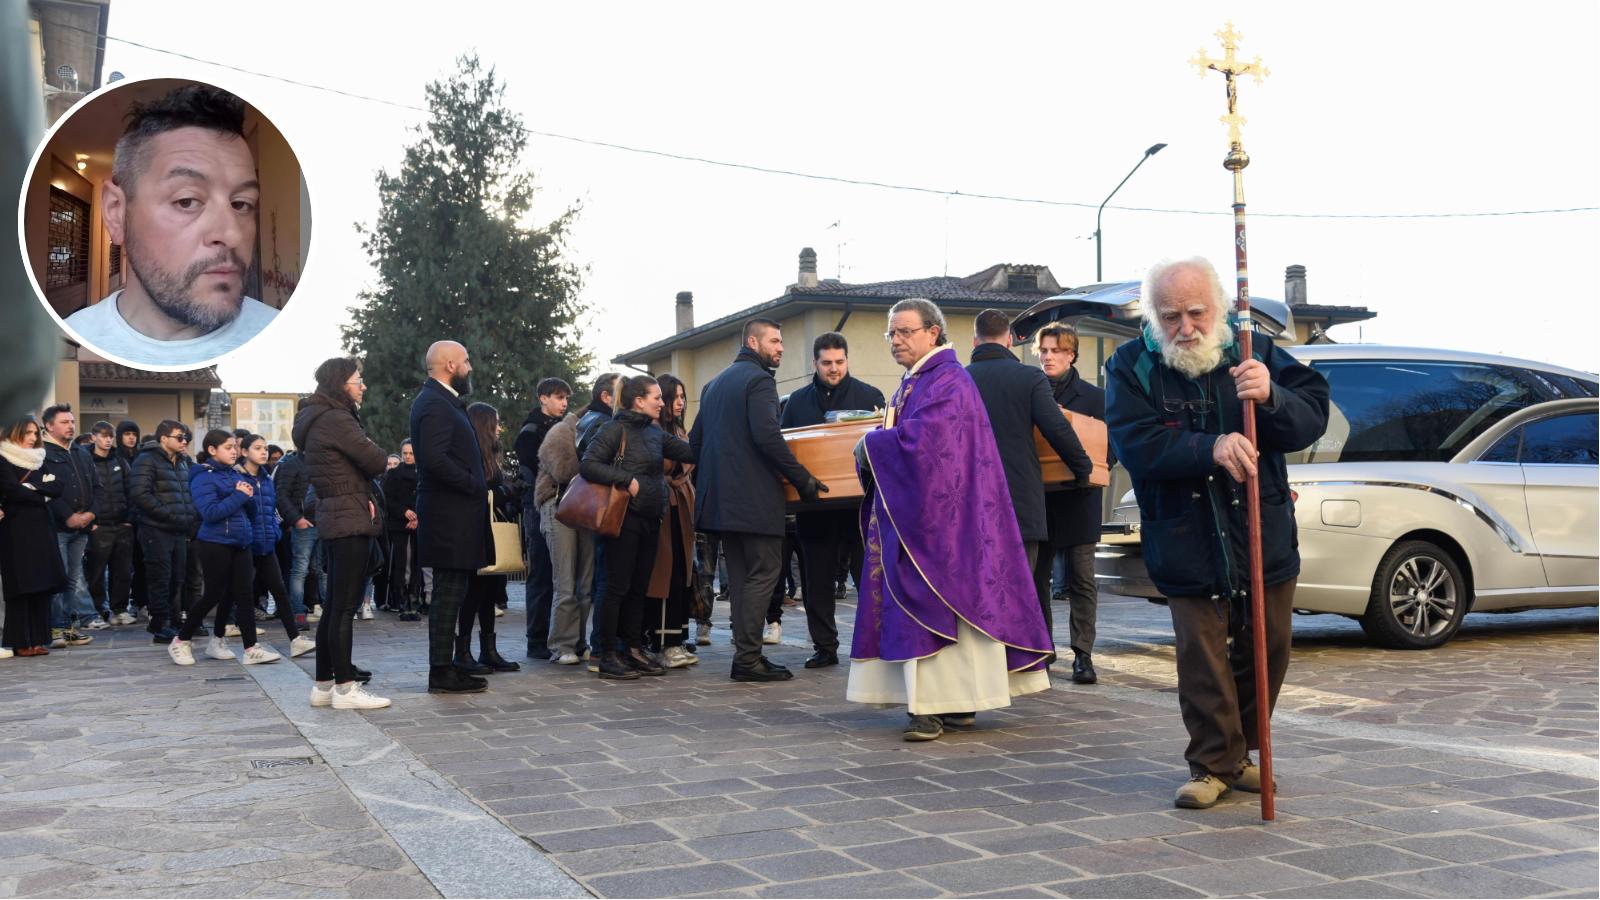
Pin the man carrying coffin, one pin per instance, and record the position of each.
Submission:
(824, 533)
(947, 622)
(1174, 406)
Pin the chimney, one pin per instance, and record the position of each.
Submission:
(685, 309)
(1294, 285)
(808, 268)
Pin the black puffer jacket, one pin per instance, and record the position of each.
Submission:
(400, 490)
(641, 459)
(158, 488)
(342, 461)
(112, 499)
(290, 479)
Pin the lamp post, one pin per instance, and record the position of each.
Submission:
(1147, 154)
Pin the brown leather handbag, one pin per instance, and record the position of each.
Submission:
(599, 508)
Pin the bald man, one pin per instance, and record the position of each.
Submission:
(453, 535)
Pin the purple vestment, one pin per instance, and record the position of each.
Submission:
(942, 542)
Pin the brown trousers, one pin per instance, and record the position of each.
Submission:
(1216, 677)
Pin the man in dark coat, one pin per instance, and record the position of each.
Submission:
(110, 557)
(290, 480)
(738, 493)
(1018, 400)
(1174, 407)
(164, 517)
(1073, 517)
(452, 506)
(127, 447)
(824, 534)
(400, 522)
(75, 512)
(553, 394)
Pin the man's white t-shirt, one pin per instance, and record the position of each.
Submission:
(104, 329)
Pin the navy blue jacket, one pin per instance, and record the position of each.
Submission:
(1017, 398)
(1192, 512)
(742, 452)
(811, 404)
(452, 493)
(264, 530)
(226, 513)
(1074, 517)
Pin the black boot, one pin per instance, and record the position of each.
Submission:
(1083, 669)
(640, 661)
(491, 657)
(451, 680)
(612, 666)
(464, 660)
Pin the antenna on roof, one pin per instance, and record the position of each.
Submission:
(838, 252)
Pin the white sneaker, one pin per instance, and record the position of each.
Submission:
(354, 696)
(568, 659)
(261, 653)
(231, 631)
(181, 652)
(301, 645)
(96, 624)
(124, 618)
(5, 653)
(677, 658)
(321, 693)
(315, 614)
(773, 634)
(217, 648)
(366, 611)
(272, 607)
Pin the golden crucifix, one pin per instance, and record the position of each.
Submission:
(1230, 67)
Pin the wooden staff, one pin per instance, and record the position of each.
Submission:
(1235, 162)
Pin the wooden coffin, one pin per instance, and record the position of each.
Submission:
(828, 452)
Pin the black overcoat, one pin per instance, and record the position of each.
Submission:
(1074, 516)
(452, 493)
(741, 452)
(30, 558)
(1017, 398)
(811, 404)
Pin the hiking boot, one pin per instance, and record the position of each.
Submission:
(923, 728)
(1201, 792)
(1250, 777)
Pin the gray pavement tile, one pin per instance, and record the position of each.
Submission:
(1130, 784)
(735, 823)
(852, 834)
(953, 821)
(713, 788)
(1013, 893)
(924, 851)
(1045, 792)
(1542, 808)
(1355, 889)
(892, 771)
(797, 798)
(997, 872)
(677, 806)
(517, 806)
(1332, 832)
(874, 884)
(1356, 860)
(1461, 847)
(1586, 798)
(891, 787)
(565, 820)
(1123, 886)
(626, 858)
(1547, 836)
(1468, 881)
(806, 865)
(758, 843)
(1569, 870)
(970, 780)
(1235, 844)
(1121, 828)
(956, 800)
(1243, 876)
(1124, 857)
(607, 836)
(823, 777)
(1456, 817)
(1021, 840)
(855, 810)
(672, 882)
(1041, 813)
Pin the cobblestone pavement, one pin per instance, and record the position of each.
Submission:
(1468, 771)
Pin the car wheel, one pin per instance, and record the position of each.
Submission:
(1418, 598)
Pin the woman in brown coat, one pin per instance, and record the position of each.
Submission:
(342, 462)
(672, 579)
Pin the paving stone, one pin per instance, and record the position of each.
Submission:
(1568, 870)
(1235, 843)
(1124, 857)
(1537, 807)
(1468, 881)
(609, 836)
(806, 865)
(672, 882)
(1457, 817)
(1120, 828)
(875, 884)
(1355, 889)
(926, 851)
(1021, 840)
(852, 834)
(953, 822)
(736, 823)
(1123, 886)
(1461, 848)
(1356, 860)
(998, 872)
(1553, 836)
(1242, 876)
(1331, 832)
(759, 843)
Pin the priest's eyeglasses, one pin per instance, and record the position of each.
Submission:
(903, 334)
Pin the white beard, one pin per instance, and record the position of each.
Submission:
(1199, 359)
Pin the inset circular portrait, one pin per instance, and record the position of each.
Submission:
(165, 223)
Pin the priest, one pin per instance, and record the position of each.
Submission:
(947, 623)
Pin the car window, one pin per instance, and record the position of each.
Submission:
(1409, 411)
(1504, 450)
(1562, 440)
(1566, 386)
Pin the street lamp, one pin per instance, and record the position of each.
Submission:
(1147, 154)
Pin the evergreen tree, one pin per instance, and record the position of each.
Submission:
(456, 260)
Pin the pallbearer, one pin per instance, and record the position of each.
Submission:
(1174, 408)
(947, 623)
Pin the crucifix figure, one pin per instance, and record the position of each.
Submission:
(1231, 67)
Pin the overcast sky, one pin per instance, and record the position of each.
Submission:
(1380, 108)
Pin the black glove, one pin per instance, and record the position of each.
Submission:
(810, 490)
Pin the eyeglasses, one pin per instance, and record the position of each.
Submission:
(1198, 406)
(903, 334)
(357, 381)
(179, 437)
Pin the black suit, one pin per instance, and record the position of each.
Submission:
(1074, 521)
(824, 534)
(452, 508)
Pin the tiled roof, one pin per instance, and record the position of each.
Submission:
(100, 373)
(946, 288)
